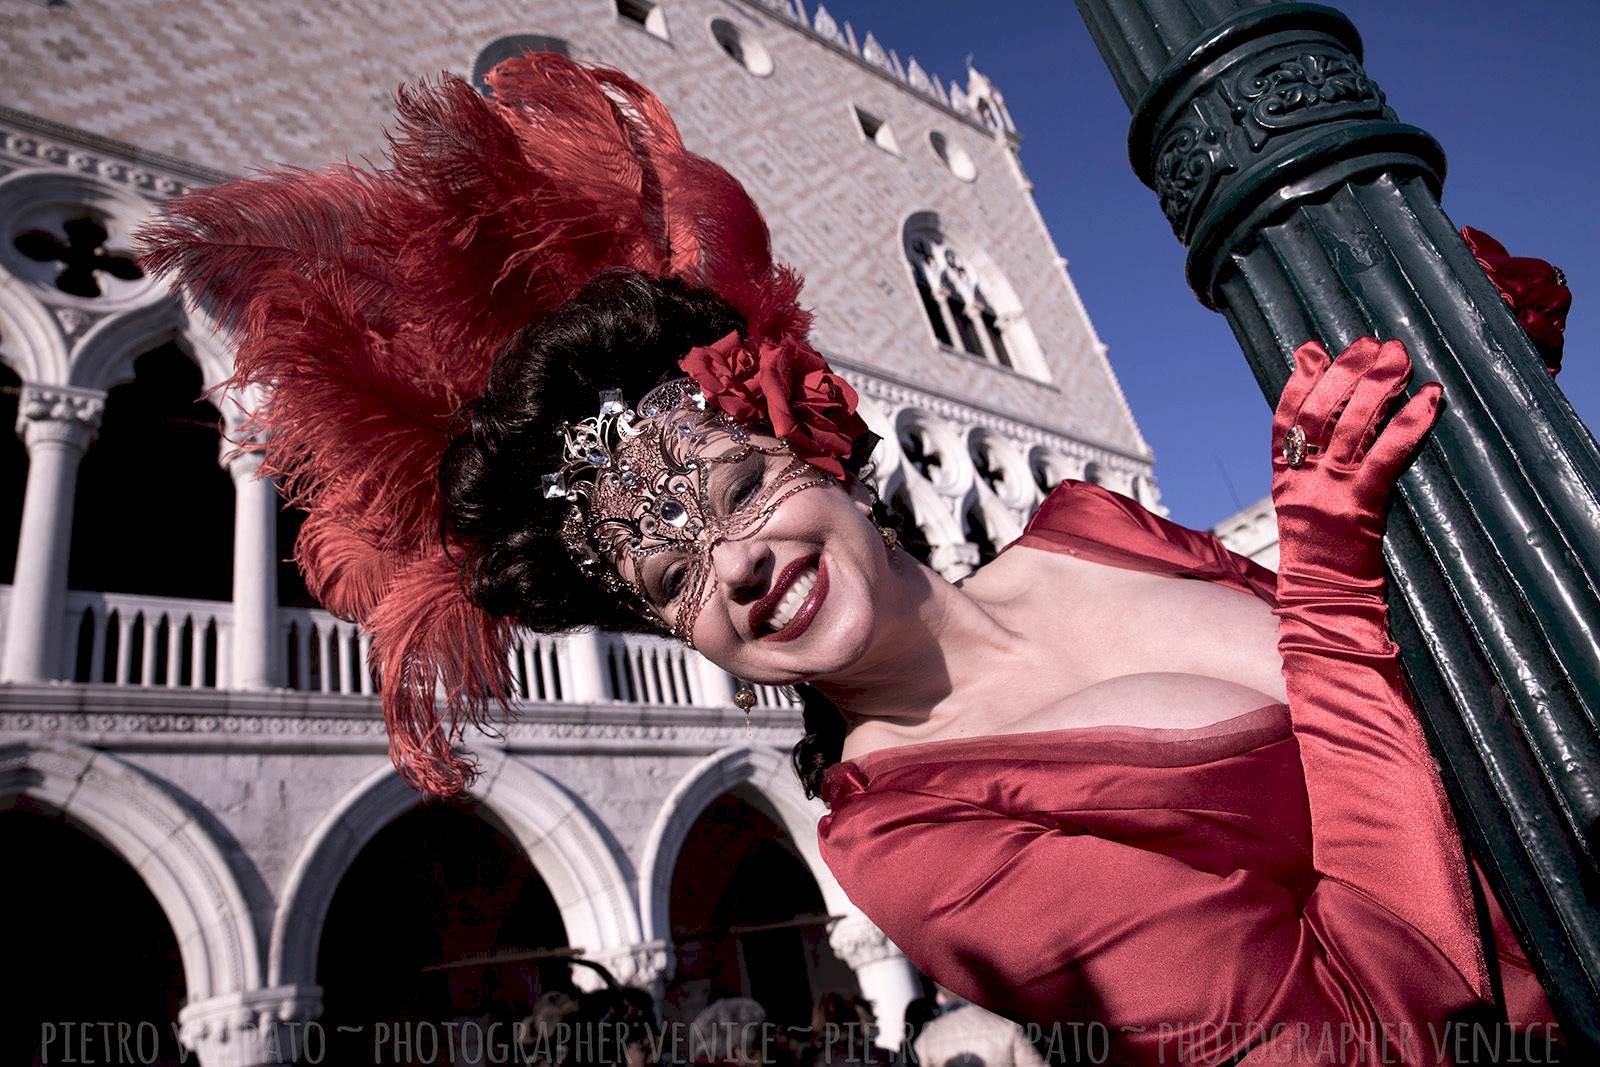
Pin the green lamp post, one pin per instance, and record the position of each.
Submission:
(1310, 211)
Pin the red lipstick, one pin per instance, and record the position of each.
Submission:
(808, 610)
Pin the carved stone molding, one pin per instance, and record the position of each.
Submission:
(859, 943)
(74, 321)
(644, 965)
(365, 731)
(30, 140)
(248, 1029)
(59, 413)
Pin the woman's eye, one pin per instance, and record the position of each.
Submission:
(672, 583)
(746, 492)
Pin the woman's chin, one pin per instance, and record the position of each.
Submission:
(836, 638)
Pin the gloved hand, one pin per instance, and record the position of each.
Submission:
(1331, 507)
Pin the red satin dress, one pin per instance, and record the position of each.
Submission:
(1158, 883)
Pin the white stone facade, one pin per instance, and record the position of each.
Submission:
(242, 789)
(1252, 532)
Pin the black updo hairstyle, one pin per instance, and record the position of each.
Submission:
(624, 329)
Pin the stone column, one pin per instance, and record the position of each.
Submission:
(255, 654)
(56, 423)
(256, 1028)
(886, 977)
(587, 675)
(716, 684)
(942, 297)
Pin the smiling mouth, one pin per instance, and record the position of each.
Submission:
(799, 603)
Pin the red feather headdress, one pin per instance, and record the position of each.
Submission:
(372, 303)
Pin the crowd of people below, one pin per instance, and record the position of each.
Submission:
(620, 1027)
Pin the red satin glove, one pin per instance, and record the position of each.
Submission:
(1382, 831)
(1331, 508)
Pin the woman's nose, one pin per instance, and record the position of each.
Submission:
(741, 568)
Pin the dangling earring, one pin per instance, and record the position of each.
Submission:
(744, 698)
(891, 540)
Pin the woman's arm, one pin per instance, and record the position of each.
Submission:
(1380, 820)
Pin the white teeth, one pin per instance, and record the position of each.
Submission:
(790, 604)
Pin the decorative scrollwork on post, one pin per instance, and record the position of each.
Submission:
(1190, 160)
(1307, 88)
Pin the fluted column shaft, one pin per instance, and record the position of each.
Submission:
(1310, 211)
(57, 424)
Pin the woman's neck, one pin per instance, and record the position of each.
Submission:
(955, 650)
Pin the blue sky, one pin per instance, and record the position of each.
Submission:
(1510, 91)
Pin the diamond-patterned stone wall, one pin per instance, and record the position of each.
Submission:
(234, 86)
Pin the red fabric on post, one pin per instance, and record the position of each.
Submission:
(1535, 290)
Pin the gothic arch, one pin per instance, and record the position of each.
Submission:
(1053, 468)
(50, 201)
(571, 851)
(185, 869)
(943, 441)
(104, 355)
(1000, 526)
(760, 771)
(928, 509)
(30, 341)
(1014, 490)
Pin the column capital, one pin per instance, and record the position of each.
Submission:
(954, 561)
(858, 942)
(64, 414)
(643, 965)
(240, 463)
(247, 1029)
(240, 447)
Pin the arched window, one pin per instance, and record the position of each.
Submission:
(154, 508)
(912, 537)
(741, 47)
(978, 533)
(967, 304)
(504, 48)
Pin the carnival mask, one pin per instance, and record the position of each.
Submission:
(655, 488)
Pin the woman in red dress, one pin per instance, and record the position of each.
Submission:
(542, 371)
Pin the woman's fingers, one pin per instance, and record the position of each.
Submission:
(1328, 398)
(1310, 361)
(1399, 439)
(1373, 394)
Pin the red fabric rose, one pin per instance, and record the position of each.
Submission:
(726, 371)
(808, 405)
(787, 385)
(1536, 291)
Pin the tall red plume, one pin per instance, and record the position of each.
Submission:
(371, 303)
